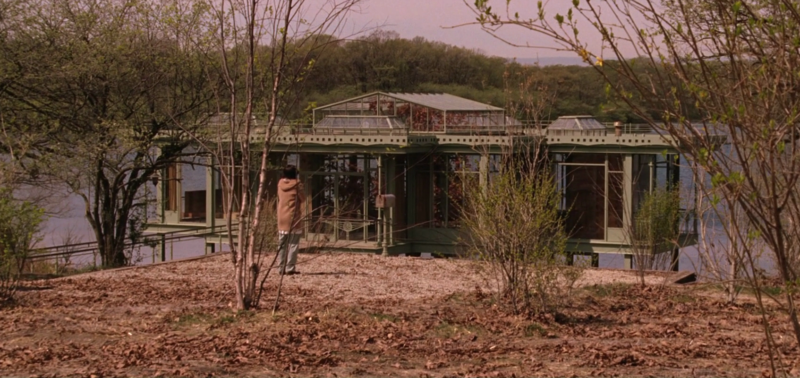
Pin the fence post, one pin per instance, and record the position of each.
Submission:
(163, 247)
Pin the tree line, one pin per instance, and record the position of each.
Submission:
(382, 61)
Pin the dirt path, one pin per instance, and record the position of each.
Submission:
(364, 315)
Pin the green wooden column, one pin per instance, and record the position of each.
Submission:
(211, 198)
(163, 247)
(627, 193)
(483, 167)
(676, 254)
(411, 189)
(365, 209)
(160, 190)
(627, 203)
(380, 189)
(391, 173)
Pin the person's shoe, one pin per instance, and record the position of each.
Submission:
(293, 273)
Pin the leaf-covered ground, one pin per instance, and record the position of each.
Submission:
(357, 315)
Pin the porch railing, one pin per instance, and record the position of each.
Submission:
(516, 129)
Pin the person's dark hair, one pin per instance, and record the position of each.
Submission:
(290, 172)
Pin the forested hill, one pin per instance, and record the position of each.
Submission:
(383, 61)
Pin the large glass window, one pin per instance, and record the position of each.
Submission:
(495, 166)
(463, 173)
(342, 195)
(399, 212)
(422, 207)
(442, 183)
(582, 181)
(221, 198)
(439, 167)
(171, 188)
(193, 192)
(643, 170)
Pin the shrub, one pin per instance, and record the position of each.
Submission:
(655, 230)
(514, 224)
(19, 227)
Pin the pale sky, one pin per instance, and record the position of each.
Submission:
(429, 19)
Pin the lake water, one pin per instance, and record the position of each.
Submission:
(70, 220)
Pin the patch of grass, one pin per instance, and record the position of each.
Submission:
(607, 290)
(191, 319)
(224, 320)
(245, 314)
(279, 317)
(771, 290)
(534, 329)
(227, 319)
(455, 298)
(84, 269)
(447, 330)
(684, 298)
(48, 270)
(51, 268)
(214, 320)
(379, 316)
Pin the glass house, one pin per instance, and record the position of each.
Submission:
(421, 149)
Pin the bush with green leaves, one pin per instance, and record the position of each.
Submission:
(514, 224)
(19, 229)
(655, 229)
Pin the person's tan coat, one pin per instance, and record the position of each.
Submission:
(290, 201)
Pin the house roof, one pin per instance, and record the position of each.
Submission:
(576, 123)
(444, 101)
(438, 101)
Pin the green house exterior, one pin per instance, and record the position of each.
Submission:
(418, 147)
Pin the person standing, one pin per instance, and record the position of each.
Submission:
(290, 219)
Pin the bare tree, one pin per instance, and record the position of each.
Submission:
(266, 48)
(514, 225)
(511, 218)
(721, 251)
(704, 68)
